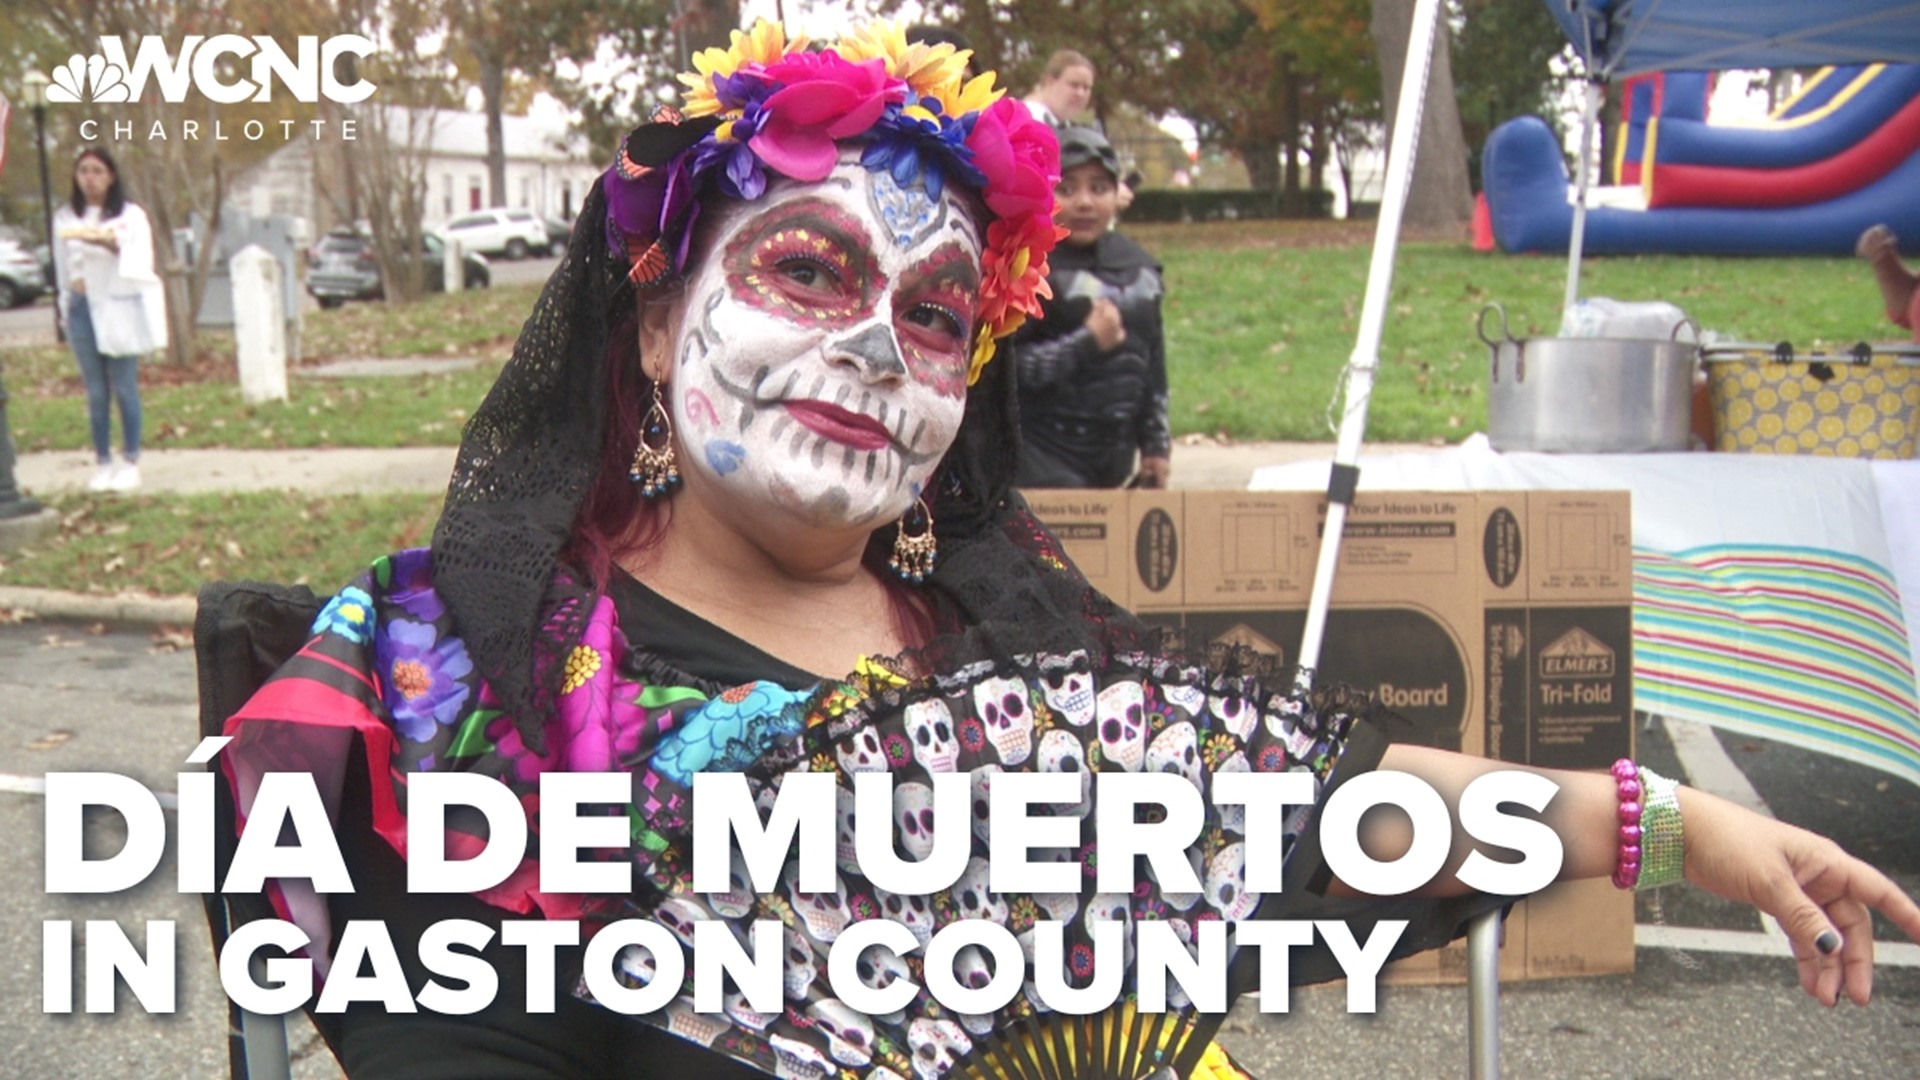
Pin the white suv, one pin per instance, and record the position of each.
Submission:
(515, 234)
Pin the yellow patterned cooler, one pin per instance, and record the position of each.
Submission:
(1864, 402)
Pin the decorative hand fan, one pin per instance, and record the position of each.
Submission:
(1049, 714)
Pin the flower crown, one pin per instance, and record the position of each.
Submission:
(769, 104)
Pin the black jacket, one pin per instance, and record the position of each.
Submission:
(1084, 412)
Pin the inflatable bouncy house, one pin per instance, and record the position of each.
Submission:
(1841, 155)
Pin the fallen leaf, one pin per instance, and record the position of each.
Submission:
(233, 549)
(171, 639)
(50, 740)
(97, 629)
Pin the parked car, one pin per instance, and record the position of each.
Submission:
(22, 279)
(343, 267)
(559, 233)
(515, 234)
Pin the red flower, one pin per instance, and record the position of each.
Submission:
(1014, 269)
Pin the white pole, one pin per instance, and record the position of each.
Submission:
(1589, 120)
(1373, 315)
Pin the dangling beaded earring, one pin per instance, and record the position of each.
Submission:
(913, 556)
(654, 468)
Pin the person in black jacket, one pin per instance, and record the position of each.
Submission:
(1093, 368)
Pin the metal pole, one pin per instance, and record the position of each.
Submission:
(1483, 996)
(46, 205)
(1373, 317)
(1576, 244)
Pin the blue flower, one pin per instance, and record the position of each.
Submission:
(730, 732)
(349, 614)
(935, 151)
(421, 677)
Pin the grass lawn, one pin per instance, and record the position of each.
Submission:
(199, 406)
(171, 544)
(1261, 317)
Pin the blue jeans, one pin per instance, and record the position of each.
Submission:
(108, 379)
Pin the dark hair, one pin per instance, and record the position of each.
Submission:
(116, 195)
(929, 34)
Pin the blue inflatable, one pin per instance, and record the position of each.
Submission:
(1528, 199)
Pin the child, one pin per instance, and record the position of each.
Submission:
(1093, 369)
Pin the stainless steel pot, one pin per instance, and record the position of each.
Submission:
(1589, 395)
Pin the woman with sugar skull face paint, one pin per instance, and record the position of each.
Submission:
(741, 502)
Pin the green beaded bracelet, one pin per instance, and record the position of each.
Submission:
(1663, 847)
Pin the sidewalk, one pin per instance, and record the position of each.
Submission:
(1196, 466)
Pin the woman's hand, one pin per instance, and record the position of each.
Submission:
(1822, 897)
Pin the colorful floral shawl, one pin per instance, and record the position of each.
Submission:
(384, 663)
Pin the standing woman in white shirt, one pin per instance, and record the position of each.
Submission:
(113, 306)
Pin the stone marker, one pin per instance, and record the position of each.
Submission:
(453, 264)
(259, 325)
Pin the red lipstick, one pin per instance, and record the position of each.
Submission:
(838, 425)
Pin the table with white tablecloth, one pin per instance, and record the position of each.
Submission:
(1777, 596)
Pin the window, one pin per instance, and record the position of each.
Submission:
(521, 216)
(446, 194)
(472, 221)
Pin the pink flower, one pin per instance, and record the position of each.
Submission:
(821, 98)
(1019, 157)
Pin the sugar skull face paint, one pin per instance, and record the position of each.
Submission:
(821, 348)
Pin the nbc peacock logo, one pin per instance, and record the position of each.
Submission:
(84, 79)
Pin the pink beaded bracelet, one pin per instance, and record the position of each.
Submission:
(1626, 869)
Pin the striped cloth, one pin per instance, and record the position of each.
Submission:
(1805, 645)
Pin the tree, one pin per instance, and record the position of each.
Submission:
(380, 176)
(1502, 64)
(493, 39)
(1439, 197)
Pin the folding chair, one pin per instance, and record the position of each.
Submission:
(242, 632)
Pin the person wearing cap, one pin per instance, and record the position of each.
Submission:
(1093, 370)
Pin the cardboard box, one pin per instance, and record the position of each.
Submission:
(1497, 622)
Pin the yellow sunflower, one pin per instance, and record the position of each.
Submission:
(934, 70)
(765, 44)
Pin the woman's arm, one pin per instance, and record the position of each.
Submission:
(1821, 896)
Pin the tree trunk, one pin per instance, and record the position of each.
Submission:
(1262, 159)
(1439, 197)
(1290, 145)
(706, 24)
(493, 88)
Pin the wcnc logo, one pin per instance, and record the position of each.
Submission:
(110, 76)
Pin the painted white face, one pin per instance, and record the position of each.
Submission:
(821, 352)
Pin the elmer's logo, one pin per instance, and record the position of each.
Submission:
(1576, 655)
(111, 76)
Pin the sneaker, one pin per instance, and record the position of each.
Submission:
(102, 478)
(126, 477)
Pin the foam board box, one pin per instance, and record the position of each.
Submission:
(1498, 623)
